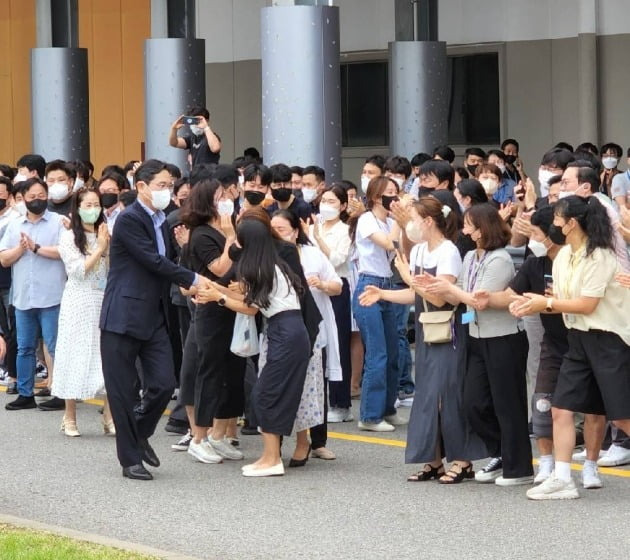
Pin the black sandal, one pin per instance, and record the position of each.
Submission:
(454, 477)
(433, 473)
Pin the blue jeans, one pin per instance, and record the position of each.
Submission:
(29, 324)
(405, 383)
(377, 325)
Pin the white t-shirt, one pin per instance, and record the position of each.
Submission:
(373, 259)
(282, 297)
(443, 260)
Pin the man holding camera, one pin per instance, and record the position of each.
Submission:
(203, 145)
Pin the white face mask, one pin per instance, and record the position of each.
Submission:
(197, 131)
(399, 182)
(130, 180)
(328, 212)
(241, 180)
(58, 191)
(414, 233)
(225, 207)
(21, 208)
(490, 186)
(160, 199)
(610, 162)
(309, 194)
(78, 184)
(544, 175)
(538, 248)
(365, 181)
(19, 178)
(564, 194)
(501, 166)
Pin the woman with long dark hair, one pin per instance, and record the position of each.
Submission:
(78, 369)
(323, 282)
(268, 285)
(594, 377)
(215, 396)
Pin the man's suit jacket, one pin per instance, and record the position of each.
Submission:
(139, 277)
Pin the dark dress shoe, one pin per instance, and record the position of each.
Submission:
(45, 392)
(12, 388)
(177, 427)
(300, 462)
(21, 403)
(148, 455)
(137, 472)
(53, 404)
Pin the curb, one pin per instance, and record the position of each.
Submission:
(93, 538)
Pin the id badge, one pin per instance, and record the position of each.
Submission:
(468, 317)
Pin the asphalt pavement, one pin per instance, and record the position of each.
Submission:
(358, 506)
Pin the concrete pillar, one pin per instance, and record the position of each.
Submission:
(418, 96)
(587, 72)
(59, 85)
(175, 79)
(301, 95)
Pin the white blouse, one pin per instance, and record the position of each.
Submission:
(337, 238)
(282, 297)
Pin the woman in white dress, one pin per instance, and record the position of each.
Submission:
(323, 282)
(78, 370)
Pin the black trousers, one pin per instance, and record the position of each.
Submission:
(219, 389)
(119, 353)
(495, 399)
(339, 391)
(174, 336)
(319, 433)
(7, 322)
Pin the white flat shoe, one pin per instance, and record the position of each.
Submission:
(276, 470)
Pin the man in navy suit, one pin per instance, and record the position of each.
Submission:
(134, 318)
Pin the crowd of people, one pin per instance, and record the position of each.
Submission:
(269, 294)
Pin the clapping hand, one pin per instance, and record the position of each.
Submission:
(400, 212)
(227, 228)
(315, 282)
(102, 237)
(305, 226)
(481, 300)
(432, 284)
(355, 207)
(527, 304)
(506, 210)
(370, 296)
(182, 235)
(402, 266)
(26, 242)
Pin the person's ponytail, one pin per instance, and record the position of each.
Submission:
(597, 226)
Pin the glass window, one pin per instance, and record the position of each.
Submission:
(473, 113)
(364, 108)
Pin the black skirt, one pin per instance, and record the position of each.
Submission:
(277, 393)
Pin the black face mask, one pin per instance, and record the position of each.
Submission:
(3, 203)
(37, 206)
(254, 197)
(556, 235)
(235, 252)
(297, 193)
(387, 201)
(282, 194)
(510, 159)
(472, 169)
(109, 199)
(425, 191)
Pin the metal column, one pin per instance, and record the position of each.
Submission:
(301, 96)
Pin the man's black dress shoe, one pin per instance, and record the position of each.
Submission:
(137, 472)
(52, 404)
(148, 455)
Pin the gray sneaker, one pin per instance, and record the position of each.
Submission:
(225, 449)
(554, 489)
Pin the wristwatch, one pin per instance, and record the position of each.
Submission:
(36, 248)
(549, 307)
(222, 301)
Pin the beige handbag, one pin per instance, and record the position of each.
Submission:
(437, 326)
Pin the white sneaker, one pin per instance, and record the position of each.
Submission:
(591, 479)
(203, 452)
(396, 420)
(615, 456)
(516, 481)
(225, 449)
(381, 426)
(580, 456)
(545, 468)
(554, 489)
(337, 415)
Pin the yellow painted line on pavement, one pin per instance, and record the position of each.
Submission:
(399, 443)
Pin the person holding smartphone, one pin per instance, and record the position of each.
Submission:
(202, 143)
